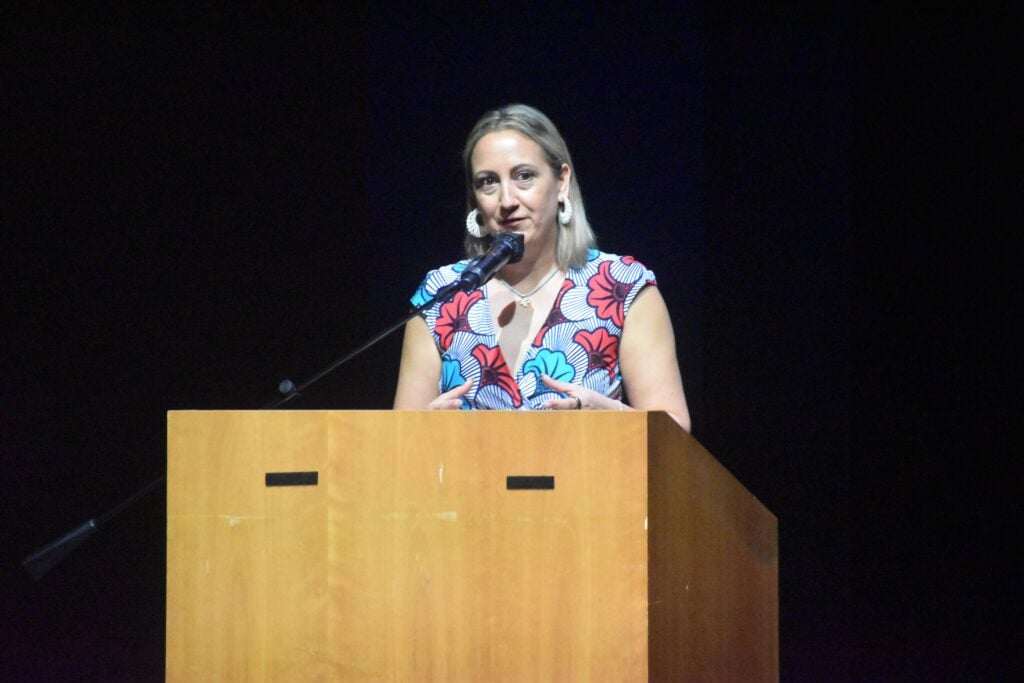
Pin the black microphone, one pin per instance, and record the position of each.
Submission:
(506, 248)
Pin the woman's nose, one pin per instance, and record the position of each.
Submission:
(508, 199)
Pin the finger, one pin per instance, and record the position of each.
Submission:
(562, 404)
(458, 391)
(572, 391)
(441, 403)
(451, 399)
(561, 387)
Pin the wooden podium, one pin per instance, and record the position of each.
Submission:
(461, 546)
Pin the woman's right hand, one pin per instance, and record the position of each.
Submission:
(450, 400)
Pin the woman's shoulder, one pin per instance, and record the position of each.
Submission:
(449, 271)
(437, 278)
(624, 267)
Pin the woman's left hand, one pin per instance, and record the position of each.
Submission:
(577, 397)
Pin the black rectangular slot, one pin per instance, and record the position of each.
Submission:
(292, 478)
(531, 483)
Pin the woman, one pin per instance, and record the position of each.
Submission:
(565, 328)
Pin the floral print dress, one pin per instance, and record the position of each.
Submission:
(578, 342)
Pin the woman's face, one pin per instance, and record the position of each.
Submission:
(516, 190)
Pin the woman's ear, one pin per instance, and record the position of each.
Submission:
(564, 177)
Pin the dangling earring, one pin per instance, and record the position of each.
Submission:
(565, 211)
(473, 226)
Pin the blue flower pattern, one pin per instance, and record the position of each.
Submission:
(550, 363)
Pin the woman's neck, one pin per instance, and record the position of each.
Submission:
(529, 271)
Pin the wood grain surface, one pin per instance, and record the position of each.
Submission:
(411, 561)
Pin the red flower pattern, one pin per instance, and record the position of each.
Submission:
(602, 349)
(454, 316)
(494, 370)
(555, 316)
(608, 295)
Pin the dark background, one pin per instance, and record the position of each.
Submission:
(196, 207)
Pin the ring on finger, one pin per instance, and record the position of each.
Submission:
(579, 403)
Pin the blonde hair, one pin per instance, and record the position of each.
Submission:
(574, 239)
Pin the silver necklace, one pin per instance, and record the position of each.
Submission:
(524, 299)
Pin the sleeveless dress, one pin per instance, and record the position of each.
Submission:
(578, 342)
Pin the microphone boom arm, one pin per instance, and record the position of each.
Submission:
(38, 563)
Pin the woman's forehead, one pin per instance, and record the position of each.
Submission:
(506, 146)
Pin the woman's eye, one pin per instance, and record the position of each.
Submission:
(525, 175)
(486, 181)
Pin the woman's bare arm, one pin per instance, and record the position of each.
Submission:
(420, 373)
(647, 356)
